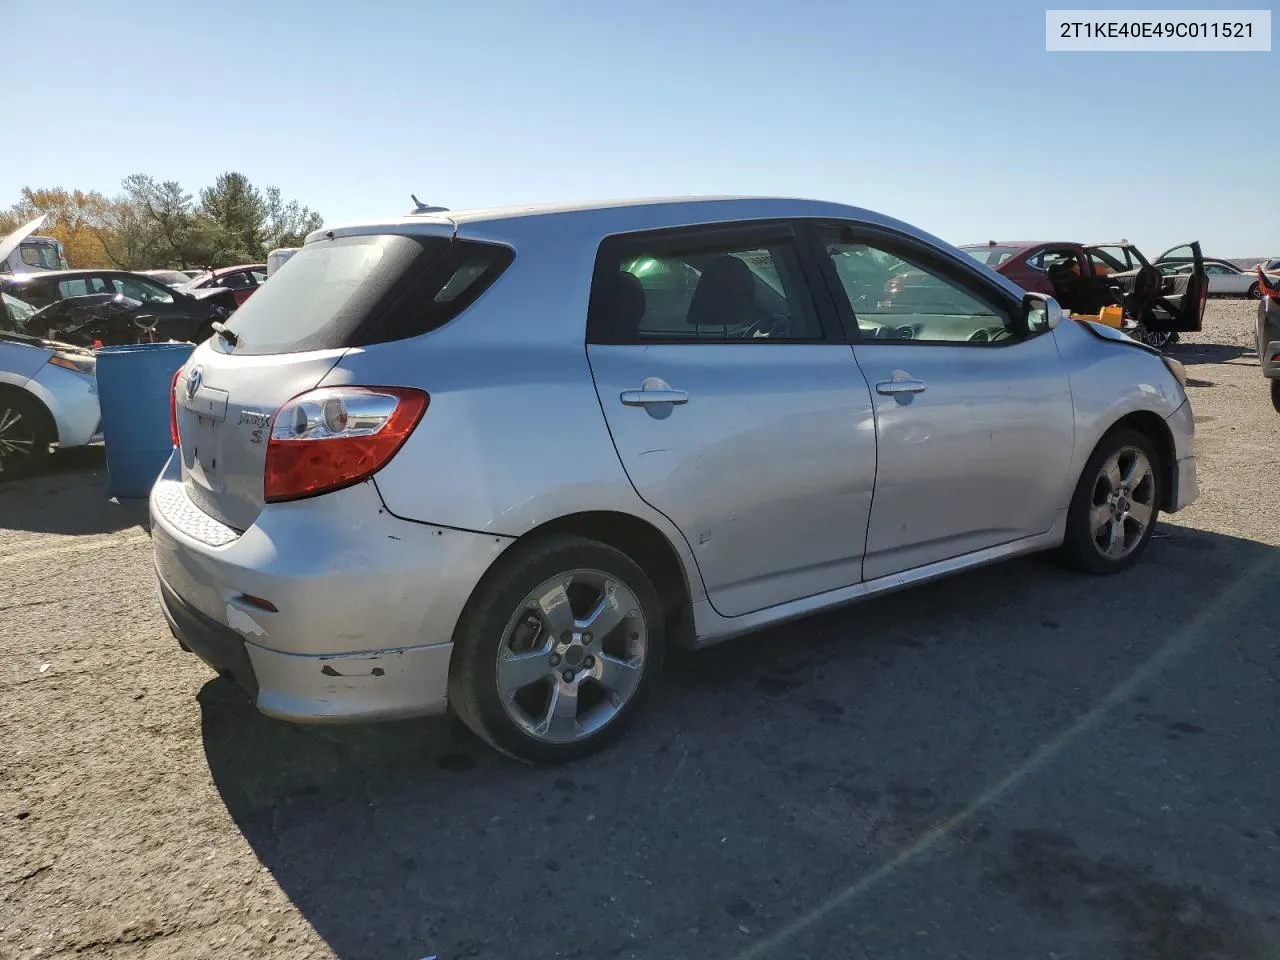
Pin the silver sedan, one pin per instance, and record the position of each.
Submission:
(496, 461)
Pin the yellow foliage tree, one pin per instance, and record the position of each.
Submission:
(76, 219)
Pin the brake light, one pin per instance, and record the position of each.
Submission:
(335, 437)
(173, 407)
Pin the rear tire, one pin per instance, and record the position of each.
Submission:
(1115, 505)
(1255, 292)
(528, 673)
(1275, 394)
(25, 435)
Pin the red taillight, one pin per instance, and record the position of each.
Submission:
(334, 437)
(173, 406)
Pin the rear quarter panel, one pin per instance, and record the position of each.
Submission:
(514, 435)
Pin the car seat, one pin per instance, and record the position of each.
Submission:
(1147, 283)
(725, 296)
(631, 303)
(1067, 288)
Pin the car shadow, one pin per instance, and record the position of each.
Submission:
(1195, 353)
(69, 496)
(766, 772)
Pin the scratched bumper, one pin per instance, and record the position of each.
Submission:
(366, 603)
(406, 682)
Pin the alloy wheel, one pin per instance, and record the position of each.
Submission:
(1123, 503)
(572, 656)
(1151, 339)
(17, 438)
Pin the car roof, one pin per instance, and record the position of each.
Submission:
(223, 271)
(1023, 244)
(66, 274)
(618, 216)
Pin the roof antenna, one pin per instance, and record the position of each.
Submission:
(421, 207)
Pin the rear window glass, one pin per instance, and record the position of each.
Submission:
(991, 256)
(353, 291)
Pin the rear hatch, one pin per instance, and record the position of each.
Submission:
(340, 292)
(337, 293)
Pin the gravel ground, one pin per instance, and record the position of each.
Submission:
(1017, 762)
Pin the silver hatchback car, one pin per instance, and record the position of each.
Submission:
(498, 460)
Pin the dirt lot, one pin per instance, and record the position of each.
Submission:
(1018, 762)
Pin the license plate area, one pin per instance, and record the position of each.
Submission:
(206, 416)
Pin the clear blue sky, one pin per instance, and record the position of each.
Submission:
(948, 115)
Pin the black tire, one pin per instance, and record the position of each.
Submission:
(1275, 394)
(482, 629)
(25, 435)
(1151, 339)
(1255, 292)
(1080, 550)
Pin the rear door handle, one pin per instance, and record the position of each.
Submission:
(907, 385)
(642, 398)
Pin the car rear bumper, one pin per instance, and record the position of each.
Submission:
(366, 604)
(1271, 367)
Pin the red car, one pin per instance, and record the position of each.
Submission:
(241, 280)
(1085, 277)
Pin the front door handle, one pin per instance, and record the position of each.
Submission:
(894, 387)
(642, 398)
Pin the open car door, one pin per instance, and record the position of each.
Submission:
(1180, 306)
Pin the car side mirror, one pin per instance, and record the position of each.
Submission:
(1040, 313)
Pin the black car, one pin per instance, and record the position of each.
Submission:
(177, 315)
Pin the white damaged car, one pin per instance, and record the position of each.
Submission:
(48, 390)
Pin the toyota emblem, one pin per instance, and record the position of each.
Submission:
(193, 383)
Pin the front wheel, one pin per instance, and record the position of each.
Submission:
(1275, 394)
(24, 435)
(1115, 505)
(557, 650)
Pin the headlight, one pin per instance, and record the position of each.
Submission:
(74, 361)
(1177, 369)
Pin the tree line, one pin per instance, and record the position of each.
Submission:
(156, 223)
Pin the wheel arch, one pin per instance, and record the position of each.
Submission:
(1152, 426)
(640, 540)
(8, 389)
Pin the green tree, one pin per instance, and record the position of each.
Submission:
(155, 223)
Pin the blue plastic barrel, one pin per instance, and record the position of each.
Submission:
(133, 392)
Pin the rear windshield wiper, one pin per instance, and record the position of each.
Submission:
(230, 336)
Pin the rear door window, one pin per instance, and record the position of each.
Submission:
(353, 291)
(699, 286)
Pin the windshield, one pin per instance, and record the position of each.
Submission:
(991, 256)
(16, 312)
(173, 278)
(42, 254)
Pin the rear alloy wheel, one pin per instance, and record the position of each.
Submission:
(557, 650)
(1255, 292)
(1115, 506)
(24, 436)
(1157, 340)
